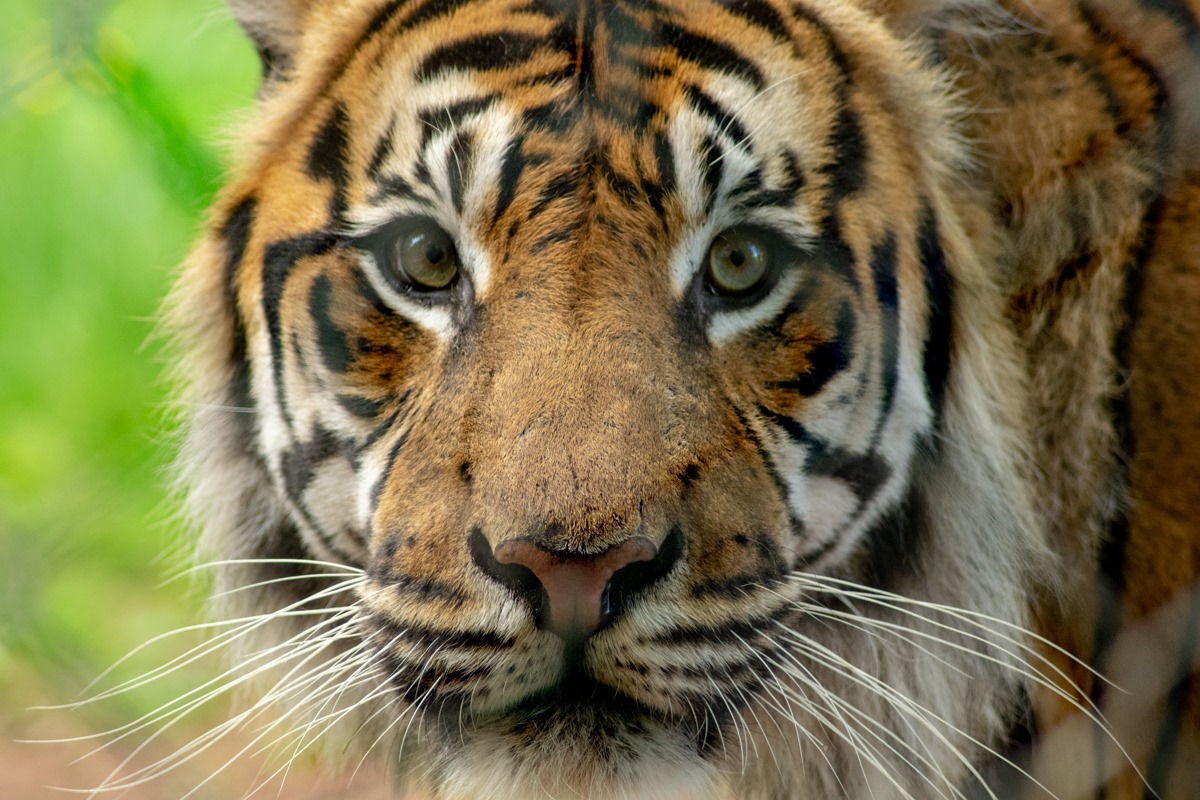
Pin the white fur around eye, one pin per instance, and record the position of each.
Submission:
(435, 319)
(725, 325)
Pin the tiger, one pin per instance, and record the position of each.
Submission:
(703, 399)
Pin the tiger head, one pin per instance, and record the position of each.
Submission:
(635, 360)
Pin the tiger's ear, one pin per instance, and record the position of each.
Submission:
(275, 27)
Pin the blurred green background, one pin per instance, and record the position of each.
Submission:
(112, 115)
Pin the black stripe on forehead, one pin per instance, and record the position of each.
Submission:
(439, 119)
(489, 51)
(725, 121)
(327, 152)
(787, 195)
(761, 15)
(461, 155)
(383, 149)
(664, 160)
(422, 13)
(713, 155)
(709, 53)
(327, 158)
(511, 167)
(846, 170)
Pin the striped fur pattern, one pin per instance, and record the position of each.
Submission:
(884, 476)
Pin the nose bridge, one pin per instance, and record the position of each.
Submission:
(580, 426)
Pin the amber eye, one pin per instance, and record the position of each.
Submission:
(738, 262)
(423, 255)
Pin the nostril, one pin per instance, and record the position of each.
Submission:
(638, 576)
(576, 586)
(517, 577)
(574, 595)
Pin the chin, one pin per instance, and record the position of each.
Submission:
(581, 740)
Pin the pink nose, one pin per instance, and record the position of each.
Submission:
(577, 586)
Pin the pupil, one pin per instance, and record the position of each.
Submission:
(737, 258)
(434, 255)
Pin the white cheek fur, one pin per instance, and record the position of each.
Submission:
(434, 319)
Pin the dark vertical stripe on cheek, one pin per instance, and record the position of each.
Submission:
(883, 268)
(890, 548)
(279, 259)
(826, 359)
(331, 340)
(300, 462)
(236, 235)
(797, 526)
(393, 454)
(864, 473)
(299, 465)
(939, 300)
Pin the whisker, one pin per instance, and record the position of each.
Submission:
(234, 562)
(908, 708)
(975, 618)
(204, 741)
(1023, 665)
(245, 625)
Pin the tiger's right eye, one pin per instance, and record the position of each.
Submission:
(421, 255)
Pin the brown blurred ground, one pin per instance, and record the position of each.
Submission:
(28, 771)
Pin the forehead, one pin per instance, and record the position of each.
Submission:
(660, 107)
(588, 74)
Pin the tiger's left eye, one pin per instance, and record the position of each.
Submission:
(738, 262)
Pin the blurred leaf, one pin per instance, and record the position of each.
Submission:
(106, 114)
(189, 169)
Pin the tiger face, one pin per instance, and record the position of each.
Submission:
(634, 359)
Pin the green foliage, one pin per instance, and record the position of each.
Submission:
(109, 112)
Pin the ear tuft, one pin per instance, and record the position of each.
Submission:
(275, 27)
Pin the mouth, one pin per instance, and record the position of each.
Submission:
(579, 695)
(579, 709)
